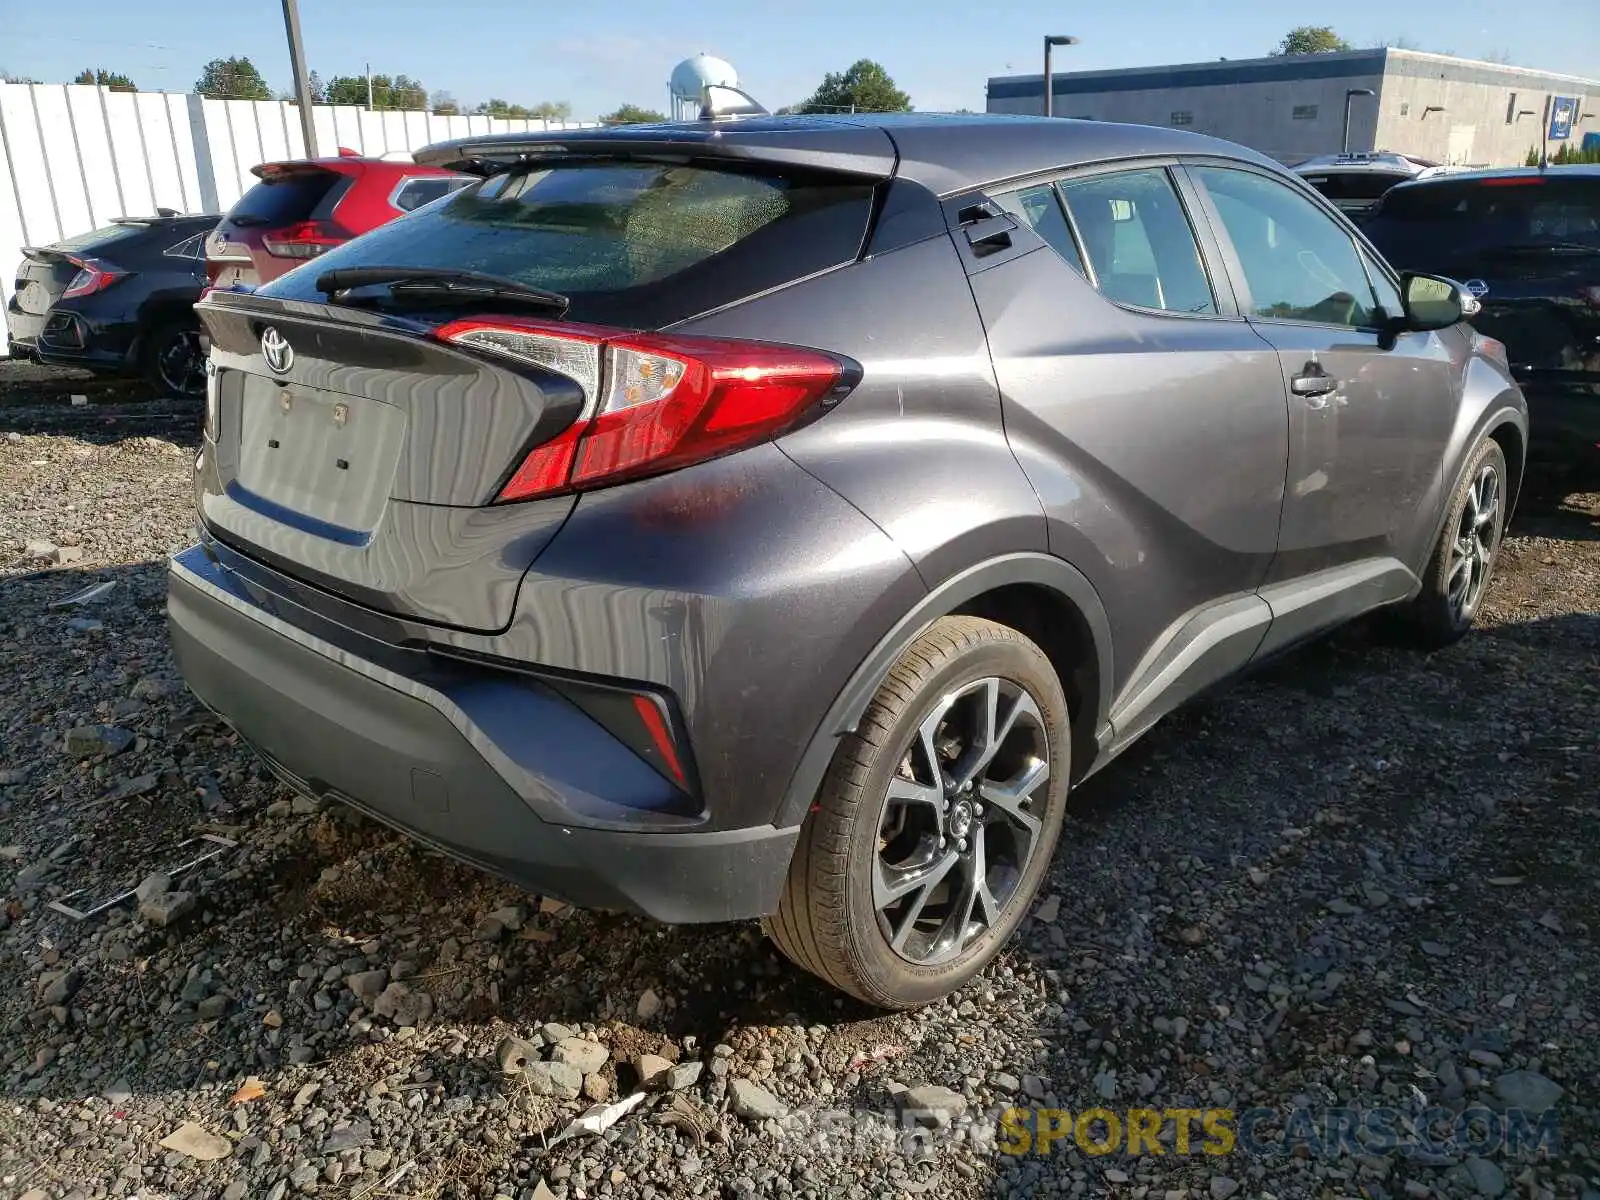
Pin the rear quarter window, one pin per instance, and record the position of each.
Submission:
(637, 244)
(414, 193)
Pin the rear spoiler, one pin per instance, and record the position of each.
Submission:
(824, 146)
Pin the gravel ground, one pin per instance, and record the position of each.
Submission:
(1362, 878)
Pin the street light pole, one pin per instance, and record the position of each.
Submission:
(302, 81)
(1051, 40)
(1351, 94)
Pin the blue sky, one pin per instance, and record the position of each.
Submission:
(600, 53)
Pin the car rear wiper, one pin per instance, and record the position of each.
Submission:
(434, 285)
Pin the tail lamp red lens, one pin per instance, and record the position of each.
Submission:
(303, 239)
(94, 275)
(654, 402)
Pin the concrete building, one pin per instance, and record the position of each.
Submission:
(1430, 106)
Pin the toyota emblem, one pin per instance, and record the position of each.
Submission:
(276, 350)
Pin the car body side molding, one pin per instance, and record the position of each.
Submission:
(843, 715)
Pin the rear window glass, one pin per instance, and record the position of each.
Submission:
(1514, 210)
(632, 243)
(99, 239)
(284, 200)
(1354, 185)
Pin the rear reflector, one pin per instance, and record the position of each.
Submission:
(94, 275)
(655, 402)
(656, 726)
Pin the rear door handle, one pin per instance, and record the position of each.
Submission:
(989, 234)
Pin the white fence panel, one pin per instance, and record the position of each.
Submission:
(73, 157)
(98, 168)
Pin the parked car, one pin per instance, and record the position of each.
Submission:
(1527, 243)
(303, 208)
(119, 300)
(1354, 182)
(781, 514)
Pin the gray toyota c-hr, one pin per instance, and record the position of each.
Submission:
(776, 517)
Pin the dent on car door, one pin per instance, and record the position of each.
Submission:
(1148, 417)
(1370, 409)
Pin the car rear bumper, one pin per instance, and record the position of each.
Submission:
(481, 768)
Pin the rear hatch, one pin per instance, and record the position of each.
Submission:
(1527, 245)
(413, 445)
(279, 223)
(46, 273)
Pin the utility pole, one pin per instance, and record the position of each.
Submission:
(302, 81)
(369, 87)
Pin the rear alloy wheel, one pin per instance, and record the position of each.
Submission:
(936, 822)
(174, 361)
(1457, 577)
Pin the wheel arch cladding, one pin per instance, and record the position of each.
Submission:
(1513, 443)
(1045, 598)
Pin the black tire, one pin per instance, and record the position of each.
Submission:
(172, 360)
(1440, 615)
(828, 920)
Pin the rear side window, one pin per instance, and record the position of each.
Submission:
(1039, 208)
(1139, 241)
(283, 200)
(631, 243)
(414, 193)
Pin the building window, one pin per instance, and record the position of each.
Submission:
(1511, 110)
(1305, 112)
(1405, 110)
(1183, 117)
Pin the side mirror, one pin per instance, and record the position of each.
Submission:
(1434, 302)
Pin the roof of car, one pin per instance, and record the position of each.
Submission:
(947, 153)
(1575, 170)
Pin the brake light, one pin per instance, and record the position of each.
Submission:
(304, 239)
(655, 402)
(1513, 181)
(94, 275)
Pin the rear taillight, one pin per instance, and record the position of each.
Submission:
(94, 275)
(303, 239)
(654, 402)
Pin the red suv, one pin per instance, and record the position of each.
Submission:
(302, 208)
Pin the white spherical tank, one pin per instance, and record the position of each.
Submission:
(693, 74)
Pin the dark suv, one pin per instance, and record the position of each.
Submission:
(776, 517)
(1527, 244)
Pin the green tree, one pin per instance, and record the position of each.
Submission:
(553, 110)
(444, 104)
(1312, 39)
(232, 79)
(399, 91)
(632, 114)
(115, 81)
(865, 87)
(8, 77)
